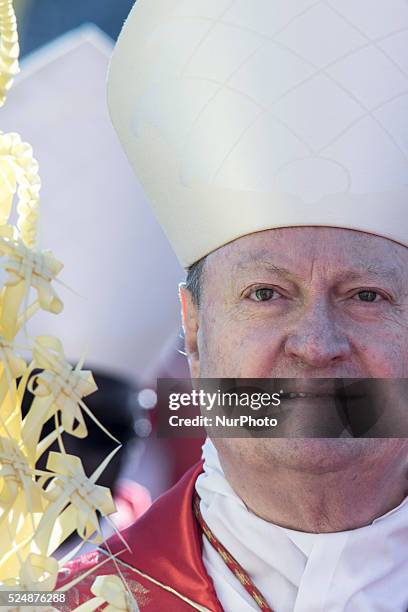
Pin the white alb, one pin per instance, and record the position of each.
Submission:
(362, 570)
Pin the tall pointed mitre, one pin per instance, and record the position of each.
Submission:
(245, 115)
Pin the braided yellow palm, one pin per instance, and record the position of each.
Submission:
(39, 508)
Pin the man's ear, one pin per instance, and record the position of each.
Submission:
(189, 317)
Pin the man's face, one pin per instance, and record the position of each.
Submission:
(307, 302)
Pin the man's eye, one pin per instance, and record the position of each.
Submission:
(263, 294)
(368, 296)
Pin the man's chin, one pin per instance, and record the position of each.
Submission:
(320, 455)
(314, 455)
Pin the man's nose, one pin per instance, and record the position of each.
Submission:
(316, 340)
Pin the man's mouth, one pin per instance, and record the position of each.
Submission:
(342, 389)
(301, 394)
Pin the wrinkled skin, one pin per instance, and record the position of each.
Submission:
(306, 302)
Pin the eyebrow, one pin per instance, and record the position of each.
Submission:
(372, 270)
(375, 270)
(252, 261)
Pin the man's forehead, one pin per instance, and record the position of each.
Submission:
(293, 250)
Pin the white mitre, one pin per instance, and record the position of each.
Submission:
(240, 116)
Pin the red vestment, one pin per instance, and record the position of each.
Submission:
(166, 544)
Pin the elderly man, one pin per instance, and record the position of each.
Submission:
(271, 138)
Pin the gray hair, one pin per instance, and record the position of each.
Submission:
(194, 280)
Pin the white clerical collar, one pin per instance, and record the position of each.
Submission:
(357, 570)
